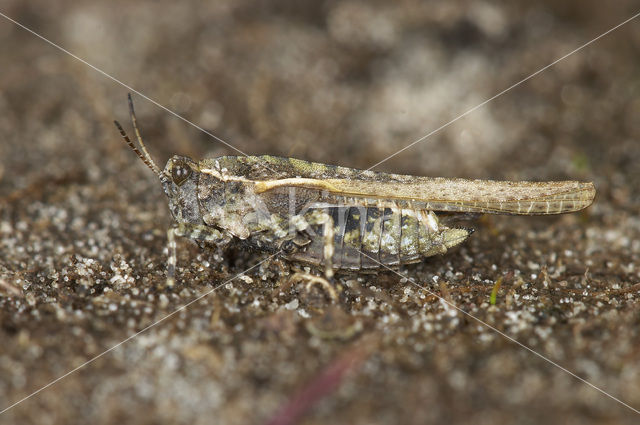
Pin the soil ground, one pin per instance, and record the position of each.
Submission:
(83, 222)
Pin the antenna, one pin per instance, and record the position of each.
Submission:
(144, 155)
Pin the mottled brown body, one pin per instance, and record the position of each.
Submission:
(377, 219)
(335, 217)
(367, 232)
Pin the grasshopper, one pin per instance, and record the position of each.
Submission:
(331, 217)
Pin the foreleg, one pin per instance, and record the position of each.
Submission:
(196, 232)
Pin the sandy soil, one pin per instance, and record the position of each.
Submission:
(83, 222)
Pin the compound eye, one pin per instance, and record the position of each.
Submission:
(180, 172)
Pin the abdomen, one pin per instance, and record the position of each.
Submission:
(370, 237)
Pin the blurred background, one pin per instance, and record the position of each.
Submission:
(82, 221)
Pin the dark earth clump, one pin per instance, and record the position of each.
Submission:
(83, 222)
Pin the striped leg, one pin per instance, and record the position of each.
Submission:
(329, 246)
(322, 218)
(200, 233)
(171, 261)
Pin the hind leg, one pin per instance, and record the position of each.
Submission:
(328, 232)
